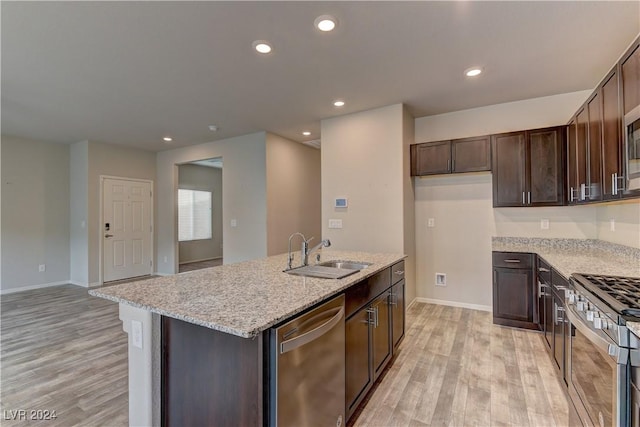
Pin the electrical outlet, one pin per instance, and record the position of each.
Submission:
(136, 333)
(42, 268)
(441, 279)
(544, 224)
(431, 222)
(612, 224)
(234, 222)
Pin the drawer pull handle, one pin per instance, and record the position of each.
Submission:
(399, 272)
(543, 270)
(512, 261)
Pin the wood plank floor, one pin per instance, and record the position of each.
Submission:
(64, 350)
(455, 368)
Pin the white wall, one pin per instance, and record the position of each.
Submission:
(364, 158)
(293, 192)
(79, 212)
(35, 213)
(243, 193)
(460, 243)
(195, 177)
(627, 222)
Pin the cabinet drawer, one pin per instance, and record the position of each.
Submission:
(544, 271)
(397, 272)
(513, 260)
(362, 293)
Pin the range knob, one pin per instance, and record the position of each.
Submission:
(598, 323)
(591, 314)
(581, 305)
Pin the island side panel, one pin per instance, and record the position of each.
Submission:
(210, 377)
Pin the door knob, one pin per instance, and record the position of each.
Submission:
(108, 235)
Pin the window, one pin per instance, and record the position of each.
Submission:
(194, 215)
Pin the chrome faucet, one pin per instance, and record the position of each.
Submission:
(323, 244)
(305, 251)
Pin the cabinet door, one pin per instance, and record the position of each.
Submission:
(572, 161)
(582, 120)
(631, 78)
(611, 135)
(509, 169)
(432, 158)
(594, 182)
(512, 294)
(546, 182)
(396, 301)
(358, 377)
(558, 332)
(381, 334)
(471, 154)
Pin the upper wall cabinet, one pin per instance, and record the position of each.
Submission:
(528, 168)
(456, 156)
(630, 67)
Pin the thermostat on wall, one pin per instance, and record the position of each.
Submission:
(341, 203)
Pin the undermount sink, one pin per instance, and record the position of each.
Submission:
(349, 265)
(329, 269)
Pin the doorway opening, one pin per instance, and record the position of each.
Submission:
(199, 201)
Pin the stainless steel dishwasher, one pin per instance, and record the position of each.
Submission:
(308, 368)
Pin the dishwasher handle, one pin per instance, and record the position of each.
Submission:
(313, 334)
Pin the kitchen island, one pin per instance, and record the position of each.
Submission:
(216, 320)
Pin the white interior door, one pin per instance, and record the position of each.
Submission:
(127, 229)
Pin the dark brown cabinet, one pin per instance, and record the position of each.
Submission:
(585, 147)
(528, 168)
(593, 186)
(456, 156)
(611, 135)
(374, 326)
(560, 324)
(630, 68)
(514, 294)
(545, 302)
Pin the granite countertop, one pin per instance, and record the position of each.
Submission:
(570, 256)
(242, 299)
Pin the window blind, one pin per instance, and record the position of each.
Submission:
(194, 215)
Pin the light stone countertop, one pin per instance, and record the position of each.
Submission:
(570, 256)
(242, 299)
(634, 327)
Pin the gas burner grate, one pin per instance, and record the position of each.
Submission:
(625, 290)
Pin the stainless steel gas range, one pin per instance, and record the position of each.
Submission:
(602, 350)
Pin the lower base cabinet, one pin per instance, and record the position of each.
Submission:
(373, 329)
(515, 299)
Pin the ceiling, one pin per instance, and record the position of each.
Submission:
(133, 72)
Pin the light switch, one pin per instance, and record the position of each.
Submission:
(335, 223)
(234, 222)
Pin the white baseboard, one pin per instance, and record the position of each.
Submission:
(29, 288)
(156, 273)
(454, 304)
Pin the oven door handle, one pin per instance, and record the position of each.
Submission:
(620, 355)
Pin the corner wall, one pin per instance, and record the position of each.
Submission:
(293, 193)
(243, 198)
(460, 243)
(35, 213)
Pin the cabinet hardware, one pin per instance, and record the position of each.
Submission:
(377, 312)
(583, 191)
(371, 320)
(528, 197)
(523, 197)
(448, 165)
(543, 270)
(453, 165)
(399, 272)
(571, 194)
(513, 261)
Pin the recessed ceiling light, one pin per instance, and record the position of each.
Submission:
(306, 133)
(262, 46)
(473, 71)
(213, 128)
(338, 103)
(325, 23)
(167, 139)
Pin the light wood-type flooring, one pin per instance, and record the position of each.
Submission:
(64, 350)
(198, 265)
